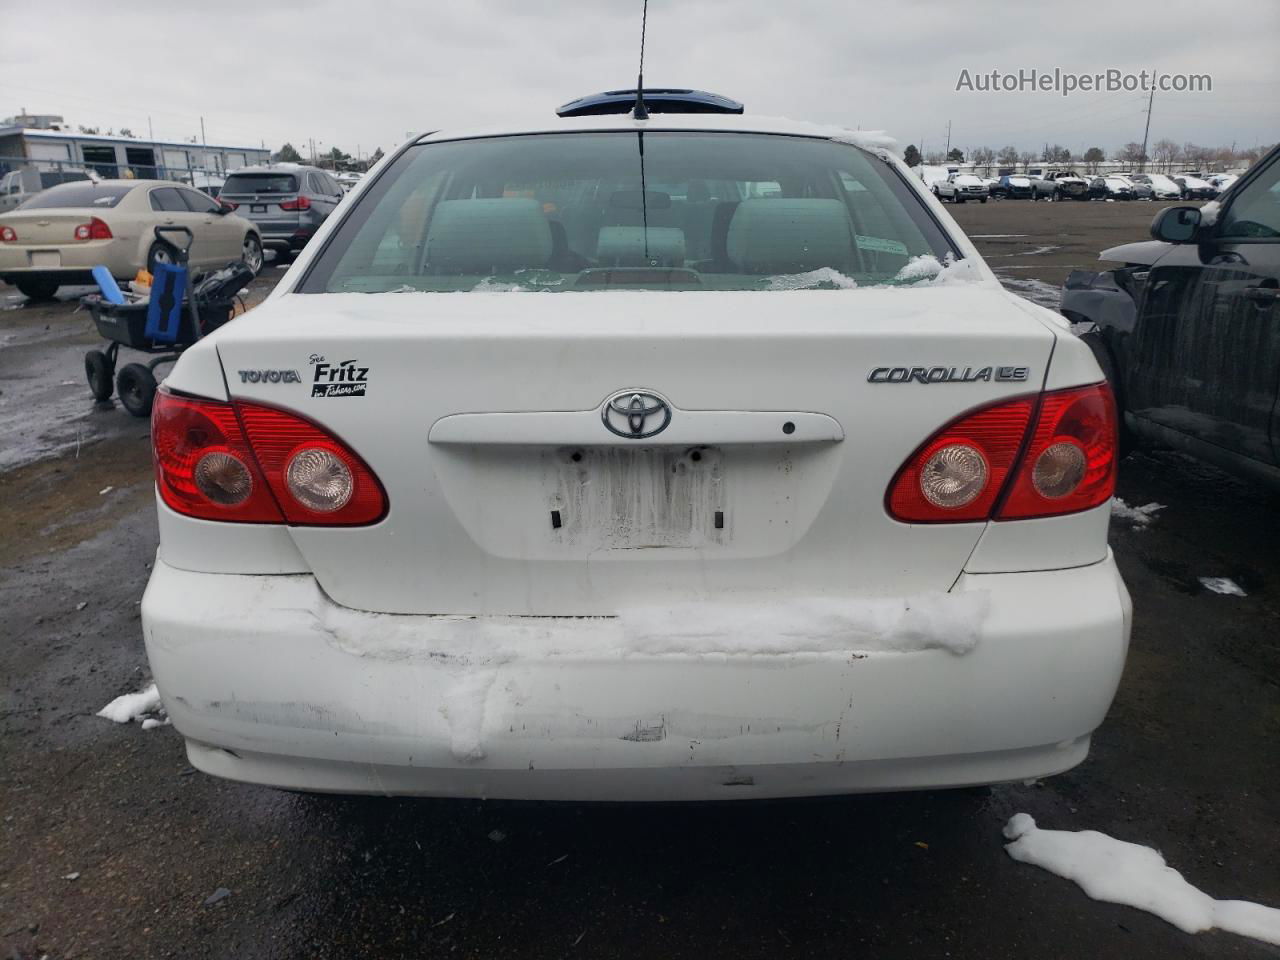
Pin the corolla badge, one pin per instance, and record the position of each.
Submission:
(635, 414)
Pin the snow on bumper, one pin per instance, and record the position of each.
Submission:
(1004, 678)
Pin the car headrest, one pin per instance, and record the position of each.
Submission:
(626, 246)
(783, 235)
(488, 235)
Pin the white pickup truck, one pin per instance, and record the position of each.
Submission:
(959, 187)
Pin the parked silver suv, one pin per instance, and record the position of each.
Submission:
(287, 201)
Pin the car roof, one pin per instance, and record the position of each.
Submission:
(730, 123)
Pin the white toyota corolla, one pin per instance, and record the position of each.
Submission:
(690, 457)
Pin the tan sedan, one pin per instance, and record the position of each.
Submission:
(60, 235)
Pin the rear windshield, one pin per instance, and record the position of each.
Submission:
(653, 210)
(48, 180)
(261, 183)
(84, 194)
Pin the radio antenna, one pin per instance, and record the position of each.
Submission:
(640, 113)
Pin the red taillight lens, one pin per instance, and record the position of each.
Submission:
(8, 235)
(302, 203)
(971, 469)
(245, 463)
(959, 472)
(1070, 463)
(95, 229)
(316, 479)
(204, 463)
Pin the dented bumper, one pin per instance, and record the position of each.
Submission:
(270, 682)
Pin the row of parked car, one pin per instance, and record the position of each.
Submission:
(1069, 185)
(58, 234)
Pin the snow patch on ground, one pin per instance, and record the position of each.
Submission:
(894, 625)
(1224, 585)
(1138, 516)
(489, 285)
(132, 706)
(823, 277)
(1115, 871)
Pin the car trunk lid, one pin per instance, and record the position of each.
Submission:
(483, 414)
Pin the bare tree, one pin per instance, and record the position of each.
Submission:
(1027, 158)
(983, 157)
(1165, 152)
(934, 157)
(1131, 153)
(1093, 157)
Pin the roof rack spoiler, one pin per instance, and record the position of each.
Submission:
(656, 100)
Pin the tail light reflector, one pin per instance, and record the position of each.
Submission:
(247, 463)
(301, 203)
(95, 229)
(1013, 460)
(8, 235)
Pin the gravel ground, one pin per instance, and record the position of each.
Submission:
(1185, 762)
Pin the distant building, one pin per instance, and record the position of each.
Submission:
(43, 142)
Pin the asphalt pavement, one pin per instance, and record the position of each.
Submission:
(114, 847)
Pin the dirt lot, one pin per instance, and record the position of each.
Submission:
(1185, 762)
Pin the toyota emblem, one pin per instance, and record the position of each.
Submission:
(635, 414)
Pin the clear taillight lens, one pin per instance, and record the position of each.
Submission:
(8, 235)
(319, 480)
(223, 478)
(954, 476)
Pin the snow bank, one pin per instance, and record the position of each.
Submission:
(131, 706)
(1116, 871)
(813, 279)
(1138, 516)
(818, 625)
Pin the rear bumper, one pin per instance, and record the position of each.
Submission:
(266, 689)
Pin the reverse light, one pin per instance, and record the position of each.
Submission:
(8, 235)
(301, 203)
(244, 462)
(1013, 460)
(319, 480)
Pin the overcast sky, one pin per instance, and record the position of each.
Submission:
(366, 72)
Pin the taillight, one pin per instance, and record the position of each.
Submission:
(316, 479)
(1070, 463)
(95, 229)
(229, 205)
(959, 472)
(301, 203)
(8, 235)
(245, 463)
(976, 468)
